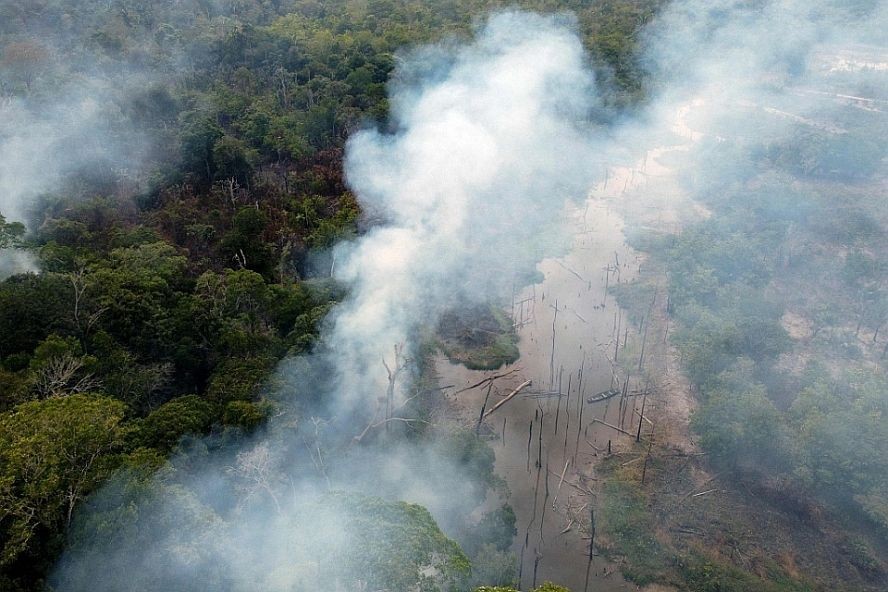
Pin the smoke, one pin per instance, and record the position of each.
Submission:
(765, 145)
(66, 116)
(13, 261)
(760, 70)
(490, 140)
(45, 140)
(472, 184)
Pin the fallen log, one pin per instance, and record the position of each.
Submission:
(643, 417)
(543, 394)
(508, 398)
(691, 492)
(689, 531)
(621, 430)
(594, 447)
(560, 482)
(704, 492)
(488, 379)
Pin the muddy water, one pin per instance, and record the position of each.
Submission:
(548, 438)
(567, 326)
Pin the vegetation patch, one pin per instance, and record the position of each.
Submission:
(629, 529)
(479, 337)
(706, 534)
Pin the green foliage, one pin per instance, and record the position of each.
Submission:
(544, 587)
(244, 241)
(165, 426)
(177, 301)
(475, 459)
(11, 233)
(58, 367)
(494, 567)
(53, 453)
(237, 379)
(136, 291)
(126, 514)
(327, 231)
(243, 414)
(875, 508)
(392, 545)
(479, 338)
(498, 527)
(704, 575)
(233, 159)
(626, 522)
(861, 556)
(815, 153)
(861, 268)
(734, 426)
(198, 140)
(488, 545)
(124, 376)
(54, 347)
(305, 329)
(550, 587)
(14, 389)
(785, 272)
(31, 308)
(235, 307)
(843, 437)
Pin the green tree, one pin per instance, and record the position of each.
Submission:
(165, 426)
(59, 367)
(236, 307)
(741, 428)
(52, 454)
(137, 290)
(197, 141)
(11, 233)
(31, 307)
(232, 159)
(244, 243)
(390, 545)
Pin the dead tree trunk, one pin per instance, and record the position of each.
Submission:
(483, 409)
(552, 356)
(647, 457)
(643, 403)
(591, 549)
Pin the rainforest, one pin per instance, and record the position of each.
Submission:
(443, 295)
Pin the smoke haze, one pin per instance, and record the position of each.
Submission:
(58, 134)
(472, 184)
(489, 141)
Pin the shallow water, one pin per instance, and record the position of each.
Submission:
(540, 432)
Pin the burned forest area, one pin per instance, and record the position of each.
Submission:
(444, 296)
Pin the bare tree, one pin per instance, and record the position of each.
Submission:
(255, 470)
(400, 364)
(60, 375)
(83, 319)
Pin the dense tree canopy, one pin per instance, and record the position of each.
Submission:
(193, 186)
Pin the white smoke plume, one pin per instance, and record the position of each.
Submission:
(490, 140)
(472, 184)
(758, 71)
(65, 126)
